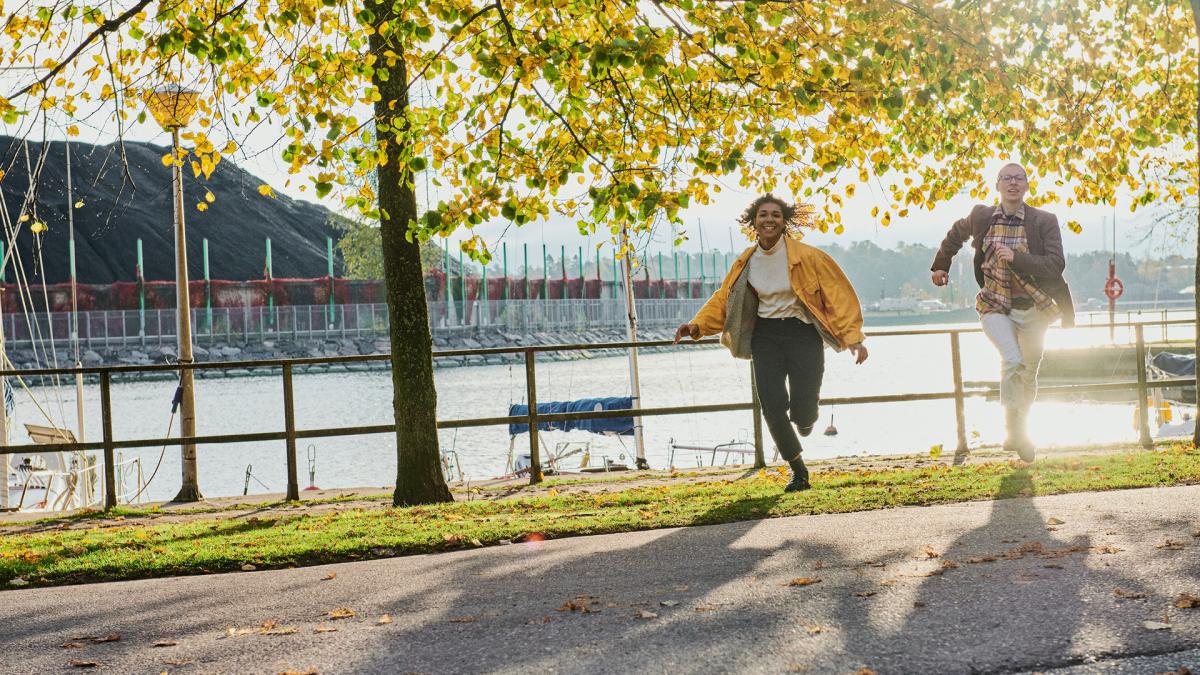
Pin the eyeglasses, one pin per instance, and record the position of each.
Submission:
(1012, 178)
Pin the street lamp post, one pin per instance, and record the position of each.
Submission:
(172, 107)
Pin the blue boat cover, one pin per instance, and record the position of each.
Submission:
(621, 426)
(1179, 365)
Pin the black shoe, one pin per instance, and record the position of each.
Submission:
(806, 429)
(799, 480)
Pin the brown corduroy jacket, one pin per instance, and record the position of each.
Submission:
(1043, 265)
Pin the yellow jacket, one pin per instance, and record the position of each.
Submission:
(820, 285)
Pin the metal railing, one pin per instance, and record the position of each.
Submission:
(237, 325)
(290, 434)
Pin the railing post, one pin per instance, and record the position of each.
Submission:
(535, 463)
(1143, 411)
(289, 422)
(760, 456)
(960, 417)
(110, 471)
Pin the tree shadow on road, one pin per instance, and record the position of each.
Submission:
(698, 598)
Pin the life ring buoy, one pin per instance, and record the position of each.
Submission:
(1113, 288)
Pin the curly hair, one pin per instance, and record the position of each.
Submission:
(796, 217)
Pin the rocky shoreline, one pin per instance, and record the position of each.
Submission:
(270, 349)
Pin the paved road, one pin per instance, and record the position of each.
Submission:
(990, 587)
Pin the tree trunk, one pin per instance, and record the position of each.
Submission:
(1196, 414)
(419, 477)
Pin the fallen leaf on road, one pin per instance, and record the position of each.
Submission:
(298, 672)
(804, 581)
(918, 603)
(928, 552)
(17, 581)
(72, 645)
(329, 577)
(164, 643)
(1054, 521)
(863, 594)
(946, 565)
(580, 603)
(706, 608)
(813, 630)
(1187, 601)
(477, 543)
(282, 630)
(1156, 625)
(669, 603)
(463, 619)
(76, 663)
(1107, 548)
(1052, 566)
(644, 614)
(386, 618)
(1131, 595)
(325, 629)
(1171, 545)
(865, 671)
(682, 588)
(248, 567)
(341, 613)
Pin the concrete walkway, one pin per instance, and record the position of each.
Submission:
(1009, 586)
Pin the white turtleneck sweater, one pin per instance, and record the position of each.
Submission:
(771, 279)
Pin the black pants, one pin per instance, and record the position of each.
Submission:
(789, 362)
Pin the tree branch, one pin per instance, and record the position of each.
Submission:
(108, 26)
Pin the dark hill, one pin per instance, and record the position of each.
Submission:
(125, 200)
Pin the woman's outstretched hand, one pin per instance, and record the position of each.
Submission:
(859, 350)
(687, 330)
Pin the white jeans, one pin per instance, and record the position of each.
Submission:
(1020, 338)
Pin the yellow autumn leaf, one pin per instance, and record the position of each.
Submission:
(168, 160)
(210, 197)
(265, 190)
(201, 206)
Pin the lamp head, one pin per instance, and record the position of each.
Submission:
(172, 105)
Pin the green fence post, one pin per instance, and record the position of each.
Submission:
(270, 288)
(141, 285)
(207, 290)
(332, 286)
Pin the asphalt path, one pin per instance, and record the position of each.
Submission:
(1087, 583)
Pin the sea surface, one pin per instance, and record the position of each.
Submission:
(682, 376)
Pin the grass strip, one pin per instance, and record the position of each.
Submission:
(203, 546)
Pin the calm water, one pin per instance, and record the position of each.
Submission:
(684, 376)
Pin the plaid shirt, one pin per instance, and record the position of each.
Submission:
(998, 276)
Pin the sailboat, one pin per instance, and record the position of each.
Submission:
(50, 481)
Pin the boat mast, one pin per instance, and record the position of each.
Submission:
(4, 459)
(631, 317)
(74, 301)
